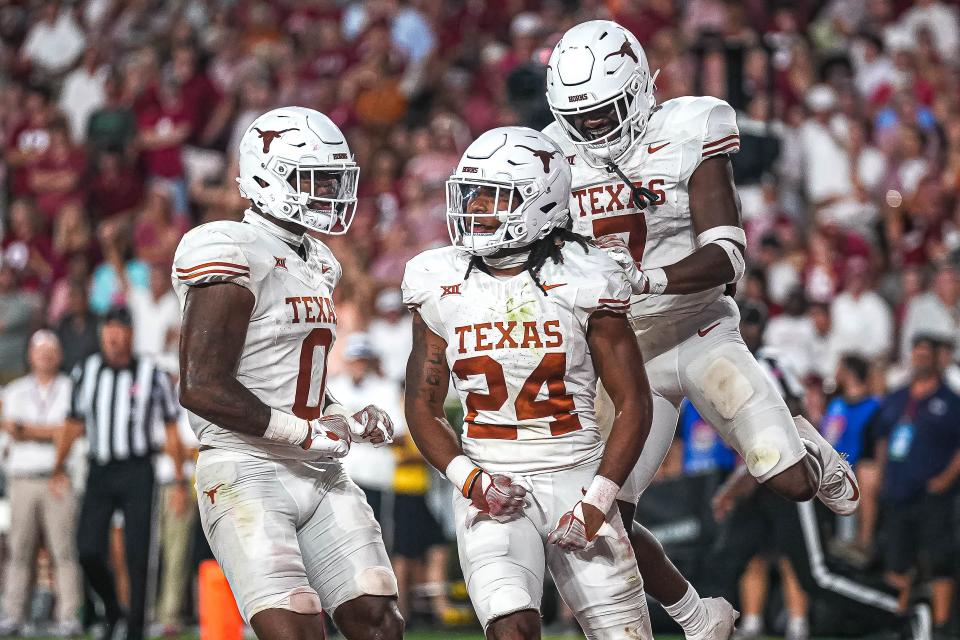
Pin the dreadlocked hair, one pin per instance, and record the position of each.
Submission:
(549, 247)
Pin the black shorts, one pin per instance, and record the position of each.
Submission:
(415, 529)
(920, 534)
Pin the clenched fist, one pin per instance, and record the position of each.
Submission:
(372, 424)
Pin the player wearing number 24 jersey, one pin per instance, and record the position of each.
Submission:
(653, 185)
(292, 533)
(527, 315)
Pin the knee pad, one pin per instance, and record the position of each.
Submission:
(725, 387)
(769, 453)
(507, 600)
(377, 581)
(304, 601)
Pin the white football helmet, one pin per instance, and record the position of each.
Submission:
(599, 65)
(511, 188)
(295, 165)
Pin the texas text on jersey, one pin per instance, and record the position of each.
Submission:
(680, 134)
(292, 326)
(519, 354)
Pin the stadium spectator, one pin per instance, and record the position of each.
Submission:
(56, 178)
(391, 331)
(28, 136)
(83, 92)
(112, 126)
(370, 467)
(934, 312)
(119, 270)
(77, 328)
(27, 248)
(844, 425)
(860, 320)
(794, 335)
(698, 448)
(163, 126)
(54, 41)
(34, 408)
(175, 531)
(156, 318)
(19, 311)
(918, 446)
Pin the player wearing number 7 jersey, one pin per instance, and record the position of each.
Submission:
(653, 184)
(527, 315)
(291, 531)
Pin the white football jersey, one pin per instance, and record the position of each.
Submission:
(681, 134)
(520, 359)
(292, 326)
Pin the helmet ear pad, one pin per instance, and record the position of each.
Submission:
(275, 152)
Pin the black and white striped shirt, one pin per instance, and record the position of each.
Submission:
(121, 408)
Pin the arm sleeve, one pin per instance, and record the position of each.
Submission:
(420, 296)
(607, 290)
(208, 256)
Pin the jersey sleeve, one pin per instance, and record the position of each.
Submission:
(420, 292)
(607, 289)
(721, 135)
(710, 127)
(206, 256)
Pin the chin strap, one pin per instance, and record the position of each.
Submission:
(291, 238)
(507, 261)
(639, 195)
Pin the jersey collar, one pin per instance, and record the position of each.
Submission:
(291, 238)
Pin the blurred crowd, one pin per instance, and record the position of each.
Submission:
(120, 122)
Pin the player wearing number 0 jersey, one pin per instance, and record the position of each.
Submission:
(527, 316)
(653, 184)
(292, 533)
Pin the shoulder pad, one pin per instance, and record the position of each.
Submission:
(219, 251)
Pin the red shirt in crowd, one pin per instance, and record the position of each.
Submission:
(74, 162)
(163, 162)
(26, 137)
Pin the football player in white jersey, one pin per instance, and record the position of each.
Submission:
(527, 315)
(653, 184)
(293, 534)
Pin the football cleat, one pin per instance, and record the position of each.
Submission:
(839, 490)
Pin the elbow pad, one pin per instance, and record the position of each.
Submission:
(730, 239)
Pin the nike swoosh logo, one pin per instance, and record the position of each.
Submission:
(703, 332)
(547, 287)
(856, 489)
(653, 149)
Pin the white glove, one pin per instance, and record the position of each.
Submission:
(498, 496)
(615, 247)
(570, 533)
(329, 437)
(371, 424)
(651, 282)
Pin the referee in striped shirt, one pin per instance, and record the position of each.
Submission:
(118, 400)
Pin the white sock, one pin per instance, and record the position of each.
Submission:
(750, 624)
(797, 627)
(689, 612)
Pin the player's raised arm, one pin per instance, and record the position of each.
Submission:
(715, 211)
(428, 377)
(215, 320)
